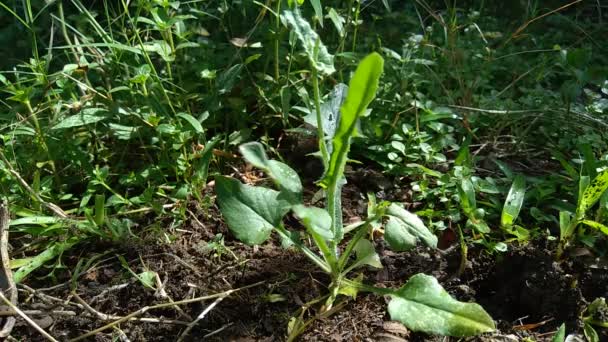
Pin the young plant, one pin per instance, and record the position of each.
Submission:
(589, 194)
(595, 315)
(253, 213)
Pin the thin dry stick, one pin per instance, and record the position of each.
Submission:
(39, 313)
(26, 318)
(159, 306)
(201, 316)
(222, 328)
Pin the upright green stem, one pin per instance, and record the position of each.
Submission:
(34, 118)
(320, 130)
(356, 23)
(277, 28)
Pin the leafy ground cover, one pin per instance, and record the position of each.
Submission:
(252, 170)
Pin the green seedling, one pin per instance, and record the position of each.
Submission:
(253, 213)
(595, 315)
(590, 193)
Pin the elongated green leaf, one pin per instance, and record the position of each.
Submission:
(201, 165)
(317, 53)
(86, 116)
(560, 335)
(423, 305)
(285, 177)
(315, 219)
(250, 212)
(366, 254)
(50, 253)
(404, 229)
(596, 225)
(192, 121)
(337, 20)
(593, 192)
(316, 5)
(565, 226)
(361, 92)
(590, 333)
(514, 201)
(37, 220)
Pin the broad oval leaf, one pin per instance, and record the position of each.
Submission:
(514, 201)
(404, 229)
(423, 305)
(315, 219)
(593, 192)
(320, 59)
(250, 212)
(284, 177)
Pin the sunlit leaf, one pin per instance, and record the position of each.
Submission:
(596, 225)
(593, 192)
(361, 92)
(404, 229)
(514, 201)
(192, 121)
(560, 335)
(53, 251)
(315, 219)
(366, 254)
(317, 53)
(285, 177)
(423, 305)
(250, 212)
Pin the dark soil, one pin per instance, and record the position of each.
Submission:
(524, 290)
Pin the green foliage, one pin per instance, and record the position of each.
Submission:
(253, 212)
(423, 297)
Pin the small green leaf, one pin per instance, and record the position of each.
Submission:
(514, 201)
(593, 192)
(466, 195)
(285, 178)
(560, 335)
(366, 254)
(250, 212)
(478, 225)
(565, 227)
(147, 279)
(423, 305)
(317, 53)
(590, 333)
(192, 121)
(404, 229)
(315, 219)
